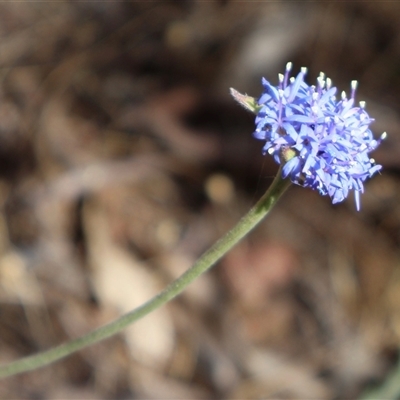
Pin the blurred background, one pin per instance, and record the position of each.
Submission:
(123, 158)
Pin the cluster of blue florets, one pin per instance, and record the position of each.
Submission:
(322, 143)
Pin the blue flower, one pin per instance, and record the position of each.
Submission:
(321, 142)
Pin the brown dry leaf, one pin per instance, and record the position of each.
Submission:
(272, 376)
(162, 116)
(152, 385)
(18, 284)
(70, 139)
(255, 272)
(122, 282)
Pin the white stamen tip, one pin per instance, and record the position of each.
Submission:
(281, 77)
(372, 160)
(328, 83)
(354, 85)
(292, 79)
(363, 104)
(343, 95)
(384, 136)
(303, 70)
(289, 66)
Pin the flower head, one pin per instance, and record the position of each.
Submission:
(323, 143)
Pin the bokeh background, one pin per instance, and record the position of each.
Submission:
(123, 158)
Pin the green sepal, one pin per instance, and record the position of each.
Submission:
(248, 102)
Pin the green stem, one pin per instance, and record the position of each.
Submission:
(389, 389)
(206, 261)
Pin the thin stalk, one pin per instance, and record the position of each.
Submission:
(205, 262)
